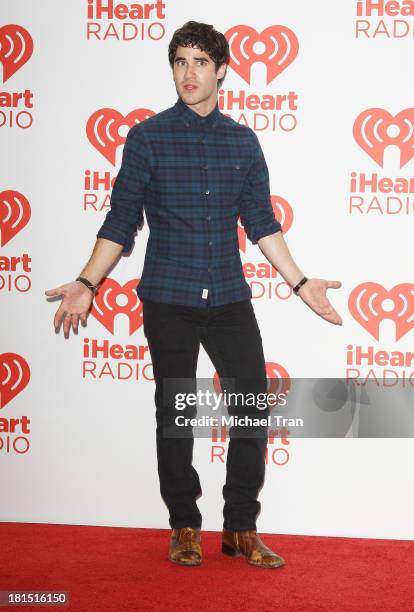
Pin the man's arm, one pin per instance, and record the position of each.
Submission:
(276, 251)
(313, 291)
(262, 228)
(116, 234)
(76, 297)
(256, 211)
(128, 193)
(105, 253)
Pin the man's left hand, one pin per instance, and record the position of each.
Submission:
(313, 293)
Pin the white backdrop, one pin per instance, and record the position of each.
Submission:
(86, 454)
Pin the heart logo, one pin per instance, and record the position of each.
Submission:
(113, 299)
(16, 48)
(278, 47)
(370, 303)
(15, 213)
(375, 129)
(102, 129)
(14, 376)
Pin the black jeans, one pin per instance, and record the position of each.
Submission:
(231, 337)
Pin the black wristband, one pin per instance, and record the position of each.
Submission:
(88, 284)
(299, 285)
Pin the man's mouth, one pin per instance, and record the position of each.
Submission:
(190, 87)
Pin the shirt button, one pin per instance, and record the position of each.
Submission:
(205, 167)
(202, 140)
(208, 269)
(208, 218)
(210, 243)
(207, 192)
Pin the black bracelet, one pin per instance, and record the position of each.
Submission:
(299, 285)
(88, 284)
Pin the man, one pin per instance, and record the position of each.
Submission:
(195, 172)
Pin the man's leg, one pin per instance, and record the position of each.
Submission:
(173, 341)
(233, 342)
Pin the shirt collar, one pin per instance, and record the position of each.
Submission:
(192, 118)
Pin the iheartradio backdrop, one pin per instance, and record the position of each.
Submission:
(328, 91)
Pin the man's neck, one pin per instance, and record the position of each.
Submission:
(205, 107)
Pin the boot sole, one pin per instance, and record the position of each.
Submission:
(232, 552)
(266, 566)
(184, 563)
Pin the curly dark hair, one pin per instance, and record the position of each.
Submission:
(206, 38)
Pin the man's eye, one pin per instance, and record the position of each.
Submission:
(202, 62)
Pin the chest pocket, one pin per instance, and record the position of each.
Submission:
(238, 172)
(231, 175)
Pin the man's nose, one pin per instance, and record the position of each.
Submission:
(189, 71)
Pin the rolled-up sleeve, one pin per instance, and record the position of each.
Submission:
(128, 193)
(256, 211)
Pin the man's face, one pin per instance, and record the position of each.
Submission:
(195, 75)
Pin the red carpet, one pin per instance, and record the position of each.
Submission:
(116, 569)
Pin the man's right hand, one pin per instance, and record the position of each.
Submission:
(75, 305)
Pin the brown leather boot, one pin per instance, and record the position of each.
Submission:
(185, 546)
(249, 544)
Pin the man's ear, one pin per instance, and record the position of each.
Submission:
(221, 71)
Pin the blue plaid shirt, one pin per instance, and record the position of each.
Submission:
(194, 177)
